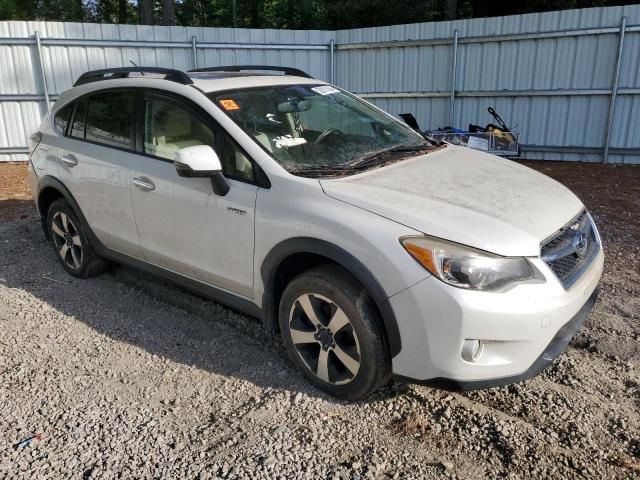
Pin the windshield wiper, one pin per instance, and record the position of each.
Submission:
(433, 141)
(367, 160)
(318, 170)
(360, 162)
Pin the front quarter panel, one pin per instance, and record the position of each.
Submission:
(297, 207)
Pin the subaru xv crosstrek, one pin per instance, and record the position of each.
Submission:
(370, 248)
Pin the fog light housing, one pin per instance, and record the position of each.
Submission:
(472, 350)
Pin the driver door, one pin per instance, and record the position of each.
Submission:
(183, 225)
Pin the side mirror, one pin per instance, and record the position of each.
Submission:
(202, 161)
(197, 161)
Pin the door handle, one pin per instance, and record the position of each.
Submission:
(143, 183)
(69, 159)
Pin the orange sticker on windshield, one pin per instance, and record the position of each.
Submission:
(229, 104)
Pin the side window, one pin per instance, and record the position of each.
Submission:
(61, 118)
(109, 118)
(168, 127)
(77, 129)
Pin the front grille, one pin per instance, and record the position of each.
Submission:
(570, 251)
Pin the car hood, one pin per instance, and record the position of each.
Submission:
(465, 196)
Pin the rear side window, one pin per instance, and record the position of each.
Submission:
(77, 128)
(109, 119)
(61, 119)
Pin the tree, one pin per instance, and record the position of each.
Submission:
(373, 13)
(256, 13)
(145, 12)
(452, 9)
(60, 10)
(291, 14)
(168, 12)
(8, 10)
(123, 12)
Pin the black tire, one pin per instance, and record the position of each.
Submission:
(70, 242)
(330, 289)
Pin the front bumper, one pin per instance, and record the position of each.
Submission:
(555, 348)
(522, 329)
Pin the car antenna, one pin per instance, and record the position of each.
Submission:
(133, 63)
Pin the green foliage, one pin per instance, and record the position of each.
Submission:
(290, 14)
(61, 10)
(353, 13)
(111, 11)
(8, 10)
(204, 13)
(492, 8)
(17, 10)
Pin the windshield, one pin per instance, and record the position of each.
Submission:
(312, 127)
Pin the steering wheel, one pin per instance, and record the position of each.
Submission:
(325, 134)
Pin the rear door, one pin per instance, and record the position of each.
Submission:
(184, 226)
(93, 163)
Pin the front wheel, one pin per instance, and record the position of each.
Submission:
(331, 330)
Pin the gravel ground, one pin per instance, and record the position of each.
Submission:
(125, 376)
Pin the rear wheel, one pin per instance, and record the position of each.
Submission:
(70, 242)
(331, 330)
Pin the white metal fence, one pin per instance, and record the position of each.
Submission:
(568, 80)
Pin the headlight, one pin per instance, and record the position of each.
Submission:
(466, 267)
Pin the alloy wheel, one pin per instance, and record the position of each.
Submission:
(67, 240)
(325, 339)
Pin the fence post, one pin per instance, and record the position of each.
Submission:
(614, 90)
(194, 49)
(332, 47)
(454, 68)
(43, 77)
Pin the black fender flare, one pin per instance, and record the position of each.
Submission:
(340, 256)
(48, 181)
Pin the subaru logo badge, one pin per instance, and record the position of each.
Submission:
(580, 243)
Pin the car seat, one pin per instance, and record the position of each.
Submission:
(174, 129)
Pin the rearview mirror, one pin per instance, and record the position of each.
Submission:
(295, 105)
(202, 161)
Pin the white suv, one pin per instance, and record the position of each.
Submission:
(371, 249)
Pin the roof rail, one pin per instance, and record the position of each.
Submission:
(242, 68)
(123, 72)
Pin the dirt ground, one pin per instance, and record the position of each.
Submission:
(126, 376)
(15, 194)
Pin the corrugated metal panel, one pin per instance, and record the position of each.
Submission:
(567, 62)
(18, 120)
(63, 64)
(572, 62)
(428, 111)
(515, 24)
(410, 69)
